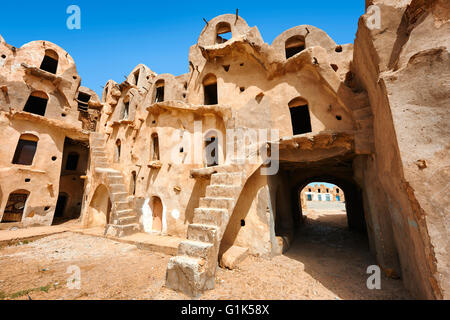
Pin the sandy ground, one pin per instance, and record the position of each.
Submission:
(326, 261)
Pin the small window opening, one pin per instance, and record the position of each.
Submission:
(242, 223)
(223, 32)
(133, 183)
(294, 45)
(155, 149)
(159, 91)
(125, 110)
(83, 101)
(335, 67)
(118, 150)
(25, 150)
(50, 61)
(136, 77)
(36, 103)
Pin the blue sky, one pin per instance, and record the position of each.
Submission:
(116, 36)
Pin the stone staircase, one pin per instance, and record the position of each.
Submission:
(193, 270)
(364, 139)
(123, 221)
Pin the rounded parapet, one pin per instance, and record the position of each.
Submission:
(141, 76)
(302, 37)
(49, 57)
(222, 28)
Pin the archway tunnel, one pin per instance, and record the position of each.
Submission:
(293, 178)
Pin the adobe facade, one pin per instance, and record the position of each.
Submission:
(162, 153)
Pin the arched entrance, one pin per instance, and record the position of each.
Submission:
(15, 206)
(157, 213)
(100, 208)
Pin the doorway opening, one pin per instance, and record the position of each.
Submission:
(15, 206)
(157, 210)
(300, 116)
(71, 185)
(211, 155)
(210, 90)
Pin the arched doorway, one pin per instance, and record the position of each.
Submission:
(211, 152)
(100, 208)
(15, 207)
(157, 213)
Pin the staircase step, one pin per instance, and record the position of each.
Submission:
(115, 188)
(122, 205)
(226, 179)
(363, 113)
(215, 217)
(225, 191)
(214, 202)
(188, 275)
(114, 230)
(99, 154)
(195, 249)
(98, 149)
(124, 213)
(119, 196)
(127, 220)
(202, 232)
(115, 179)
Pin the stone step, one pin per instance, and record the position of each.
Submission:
(114, 230)
(99, 154)
(115, 179)
(98, 149)
(363, 113)
(119, 196)
(122, 205)
(97, 143)
(127, 220)
(106, 170)
(102, 164)
(115, 188)
(100, 159)
(222, 191)
(202, 232)
(188, 275)
(214, 217)
(221, 203)
(226, 179)
(124, 213)
(194, 249)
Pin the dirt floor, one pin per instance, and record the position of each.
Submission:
(326, 261)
